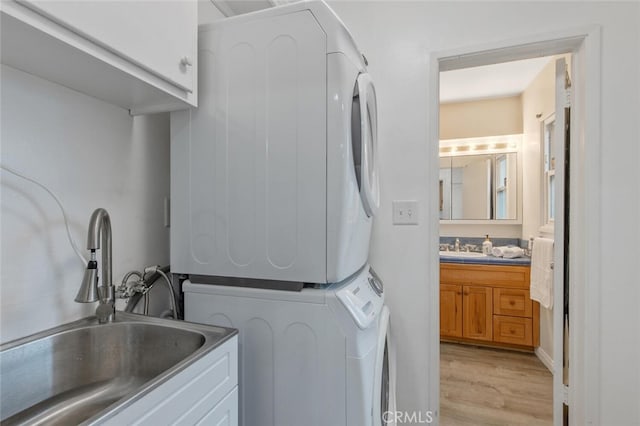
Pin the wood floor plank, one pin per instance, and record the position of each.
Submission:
(484, 386)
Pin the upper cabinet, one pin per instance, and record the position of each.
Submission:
(139, 55)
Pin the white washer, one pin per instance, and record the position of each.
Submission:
(274, 175)
(316, 357)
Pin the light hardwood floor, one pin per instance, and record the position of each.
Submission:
(482, 386)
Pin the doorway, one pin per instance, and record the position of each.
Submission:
(496, 342)
(583, 45)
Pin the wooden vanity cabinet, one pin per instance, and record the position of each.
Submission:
(489, 305)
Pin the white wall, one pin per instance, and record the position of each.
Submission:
(538, 98)
(398, 38)
(485, 117)
(90, 154)
(208, 12)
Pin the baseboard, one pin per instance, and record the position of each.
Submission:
(545, 358)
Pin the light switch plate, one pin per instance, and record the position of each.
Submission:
(405, 212)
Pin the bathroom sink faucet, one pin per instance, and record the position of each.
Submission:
(99, 229)
(456, 246)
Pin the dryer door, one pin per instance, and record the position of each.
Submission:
(364, 137)
(384, 388)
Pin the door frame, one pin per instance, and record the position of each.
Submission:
(584, 43)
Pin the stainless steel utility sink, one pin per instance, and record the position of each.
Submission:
(80, 370)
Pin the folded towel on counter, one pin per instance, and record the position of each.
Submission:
(498, 251)
(513, 252)
(541, 288)
(508, 252)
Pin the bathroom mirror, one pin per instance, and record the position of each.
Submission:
(479, 187)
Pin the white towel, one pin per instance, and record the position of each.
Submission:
(541, 287)
(508, 252)
(499, 251)
(513, 252)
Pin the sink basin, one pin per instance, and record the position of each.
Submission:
(69, 374)
(461, 254)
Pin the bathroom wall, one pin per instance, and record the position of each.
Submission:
(484, 117)
(398, 39)
(538, 98)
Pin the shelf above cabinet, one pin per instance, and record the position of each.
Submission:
(42, 47)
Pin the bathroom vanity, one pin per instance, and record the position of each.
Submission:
(488, 304)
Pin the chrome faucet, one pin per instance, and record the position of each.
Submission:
(456, 246)
(99, 229)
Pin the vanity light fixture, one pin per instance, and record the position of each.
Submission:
(479, 145)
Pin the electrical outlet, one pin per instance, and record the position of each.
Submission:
(405, 212)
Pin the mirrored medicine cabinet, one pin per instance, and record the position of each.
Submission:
(479, 185)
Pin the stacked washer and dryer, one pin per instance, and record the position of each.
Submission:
(274, 189)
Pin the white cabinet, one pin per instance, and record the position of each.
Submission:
(205, 393)
(154, 35)
(140, 55)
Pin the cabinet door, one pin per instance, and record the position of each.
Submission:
(159, 36)
(477, 313)
(225, 413)
(450, 310)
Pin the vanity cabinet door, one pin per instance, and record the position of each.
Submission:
(450, 310)
(477, 313)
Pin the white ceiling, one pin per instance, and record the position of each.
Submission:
(489, 81)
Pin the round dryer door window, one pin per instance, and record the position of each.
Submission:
(364, 136)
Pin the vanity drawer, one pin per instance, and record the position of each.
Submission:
(513, 302)
(513, 330)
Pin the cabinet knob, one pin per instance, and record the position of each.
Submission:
(186, 62)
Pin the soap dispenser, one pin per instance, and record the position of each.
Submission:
(487, 246)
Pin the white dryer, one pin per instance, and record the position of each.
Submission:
(274, 175)
(318, 357)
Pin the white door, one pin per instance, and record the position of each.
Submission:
(365, 142)
(561, 240)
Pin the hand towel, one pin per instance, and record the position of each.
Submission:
(541, 287)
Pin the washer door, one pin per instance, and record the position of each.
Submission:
(364, 139)
(384, 400)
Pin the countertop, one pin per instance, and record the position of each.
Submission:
(486, 260)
